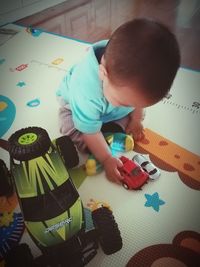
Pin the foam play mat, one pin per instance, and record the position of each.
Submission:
(160, 224)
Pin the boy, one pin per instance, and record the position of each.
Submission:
(115, 81)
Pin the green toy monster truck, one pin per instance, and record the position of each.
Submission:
(50, 203)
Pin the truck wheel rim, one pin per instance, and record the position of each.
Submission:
(27, 139)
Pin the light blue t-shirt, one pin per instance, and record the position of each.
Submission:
(82, 89)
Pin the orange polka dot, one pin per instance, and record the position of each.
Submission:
(163, 143)
(145, 141)
(188, 167)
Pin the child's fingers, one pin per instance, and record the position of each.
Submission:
(128, 130)
(115, 176)
(139, 136)
(142, 135)
(116, 179)
(112, 171)
(119, 163)
(118, 175)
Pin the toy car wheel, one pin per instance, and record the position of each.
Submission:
(29, 143)
(67, 151)
(125, 186)
(107, 229)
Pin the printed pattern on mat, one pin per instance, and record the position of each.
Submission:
(11, 230)
(32, 65)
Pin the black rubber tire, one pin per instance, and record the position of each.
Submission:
(107, 229)
(6, 186)
(67, 151)
(20, 255)
(25, 152)
(125, 186)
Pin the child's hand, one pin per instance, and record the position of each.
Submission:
(111, 166)
(135, 126)
(136, 129)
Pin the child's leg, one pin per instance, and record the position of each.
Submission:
(66, 126)
(111, 127)
(123, 122)
(116, 126)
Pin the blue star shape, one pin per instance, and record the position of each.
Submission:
(21, 84)
(154, 201)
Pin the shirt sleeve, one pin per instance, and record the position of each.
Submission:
(86, 114)
(63, 90)
(62, 87)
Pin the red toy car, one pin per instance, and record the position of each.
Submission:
(134, 176)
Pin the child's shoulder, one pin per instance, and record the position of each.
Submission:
(84, 77)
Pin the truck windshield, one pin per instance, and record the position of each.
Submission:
(50, 204)
(136, 171)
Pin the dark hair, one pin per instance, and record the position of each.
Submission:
(144, 52)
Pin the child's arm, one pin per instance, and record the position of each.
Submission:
(135, 126)
(99, 148)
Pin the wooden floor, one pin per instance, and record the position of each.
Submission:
(92, 20)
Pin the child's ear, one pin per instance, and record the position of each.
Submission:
(102, 72)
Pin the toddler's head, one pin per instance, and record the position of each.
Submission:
(139, 64)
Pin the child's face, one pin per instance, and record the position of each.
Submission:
(124, 95)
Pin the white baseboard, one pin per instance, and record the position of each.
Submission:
(26, 10)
